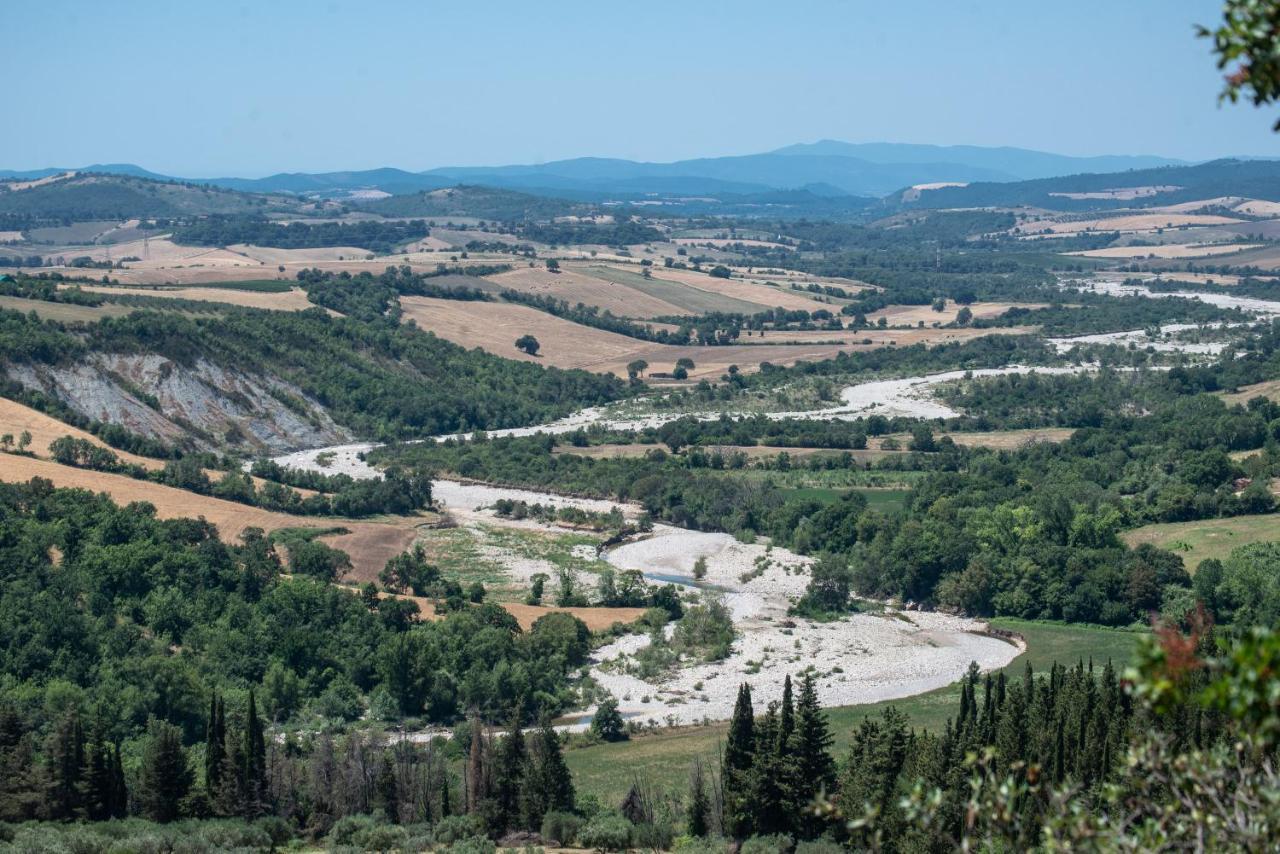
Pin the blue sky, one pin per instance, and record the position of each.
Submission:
(204, 89)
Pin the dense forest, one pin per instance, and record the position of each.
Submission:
(379, 237)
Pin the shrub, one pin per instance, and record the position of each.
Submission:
(562, 827)
(473, 845)
(455, 828)
(699, 845)
(819, 846)
(778, 843)
(607, 832)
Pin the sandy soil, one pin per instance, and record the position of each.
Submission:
(860, 659)
(1165, 342)
(575, 287)
(1113, 284)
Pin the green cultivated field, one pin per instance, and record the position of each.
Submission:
(1196, 541)
(663, 757)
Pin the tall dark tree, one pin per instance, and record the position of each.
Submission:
(739, 756)
(548, 784)
(165, 776)
(509, 772)
(816, 769)
(699, 807)
(215, 746)
(64, 769)
(254, 757)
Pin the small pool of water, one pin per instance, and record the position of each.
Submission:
(683, 581)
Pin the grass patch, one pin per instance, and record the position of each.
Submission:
(663, 756)
(1196, 541)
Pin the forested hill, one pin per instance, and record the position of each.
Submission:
(96, 197)
(377, 378)
(468, 200)
(1254, 179)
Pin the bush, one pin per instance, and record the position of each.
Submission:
(562, 827)
(606, 832)
(473, 845)
(778, 843)
(657, 835)
(346, 830)
(699, 845)
(455, 828)
(819, 846)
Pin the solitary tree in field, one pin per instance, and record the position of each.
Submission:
(553, 265)
(528, 344)
(636, 368)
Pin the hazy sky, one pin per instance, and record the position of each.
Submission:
(206, 89)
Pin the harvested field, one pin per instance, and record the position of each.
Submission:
(495, 327)
(294, 299)
(910, 315)
(1121, 193)
(273, 255)
(565, 344)
(15, 418)
(1171, 250)
(686, 299)
(1269, 389)
(63, 312)
(1126, 224)
(574, 287)
(1255, 207)
(746, 289)
(369, 544)
(596, 619)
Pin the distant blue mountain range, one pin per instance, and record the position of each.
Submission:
(826, 168)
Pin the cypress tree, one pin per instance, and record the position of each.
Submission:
(548, 784)
(815, 769)
(786, 718)
(165, 777)
(475, 768)
(509, 771)
(446, 808)
(65, 751)
(699, 806)
(386, 788)
(255, 761)
(215, 747)
(739, 756)
(97, 775)
(119, 806)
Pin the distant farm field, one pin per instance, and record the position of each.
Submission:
(63, 312)
(1196, 541)
(600, 289)
(288, 298)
